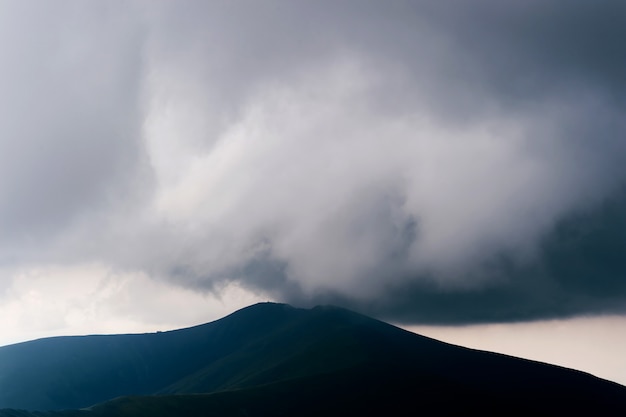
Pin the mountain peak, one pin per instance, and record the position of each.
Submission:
(321, 356)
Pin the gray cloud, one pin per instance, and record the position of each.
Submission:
(71, 123)
(580, 270)
(420, 161)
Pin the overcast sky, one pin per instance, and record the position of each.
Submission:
(425, 162)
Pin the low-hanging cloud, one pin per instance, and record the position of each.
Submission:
(419, 161)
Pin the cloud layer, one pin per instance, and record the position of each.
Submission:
(419, 161)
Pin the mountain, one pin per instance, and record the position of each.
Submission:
(273, 359)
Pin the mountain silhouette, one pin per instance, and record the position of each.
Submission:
(273, 359)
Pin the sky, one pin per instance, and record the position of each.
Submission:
(456, 166)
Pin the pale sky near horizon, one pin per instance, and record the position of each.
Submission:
(433, 163)
(591, 344)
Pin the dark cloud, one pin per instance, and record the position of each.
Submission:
(580, 269)
(422, 161)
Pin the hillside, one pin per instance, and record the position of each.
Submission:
(273, 359)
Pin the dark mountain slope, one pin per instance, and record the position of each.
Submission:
(272, 359)
(75, 372)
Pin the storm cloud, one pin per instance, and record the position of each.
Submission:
(421, 161)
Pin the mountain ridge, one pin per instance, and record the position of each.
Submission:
(275, 348)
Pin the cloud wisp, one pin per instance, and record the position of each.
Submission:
(418, 161)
